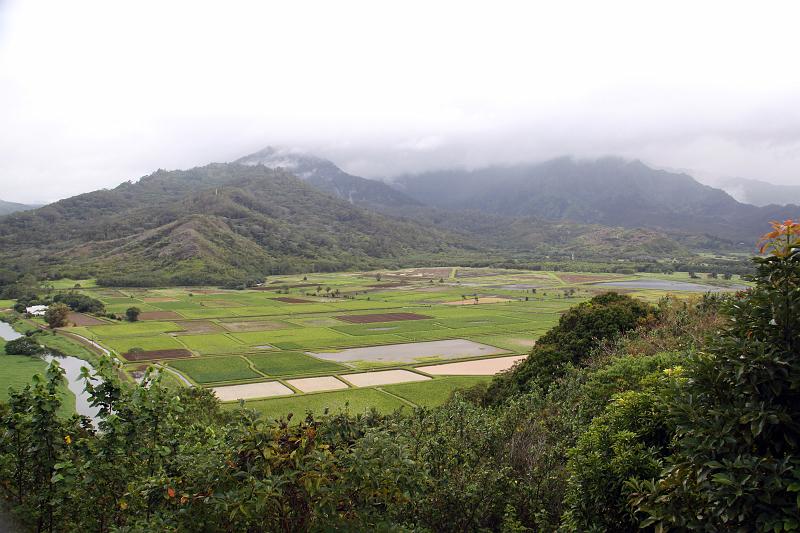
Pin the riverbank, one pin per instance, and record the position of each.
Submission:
(18, 371)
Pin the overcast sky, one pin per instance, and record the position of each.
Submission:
(96, 93)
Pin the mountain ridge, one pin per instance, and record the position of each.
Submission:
(607, 191)
(6, 208)
(326, 176)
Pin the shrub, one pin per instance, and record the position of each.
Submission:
(23, 346)
(56, 315)
(579, 332)
(80, 302)
(737, 465)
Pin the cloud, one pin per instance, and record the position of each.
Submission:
(94, 93)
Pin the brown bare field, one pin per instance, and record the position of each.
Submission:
(425, 273)
(381, 317)
(584, 278)
(253, 325)
(152, 355)
(383, 377)
(317, 384)
(461, 273)
(251, 390)
(158, 315)
(485, 300)
(197, 326)
(158, 299)
(79, 319)
(289, 300)
(481, 367)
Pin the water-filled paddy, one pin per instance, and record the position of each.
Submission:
(666, 285)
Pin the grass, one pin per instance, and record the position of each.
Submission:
(353, 400)
(434, 392)
(212, 343)
(302, 337)
(67, 283)
(160, 342)
(215, 369)
(130, 329)
(18, 371)
(66, 346)
(233, 356)
(292, 364)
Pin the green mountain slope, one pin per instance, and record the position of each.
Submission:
(610, 191)
(210, 224)
(12, 207)
(326, 176)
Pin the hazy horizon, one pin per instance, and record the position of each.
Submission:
(93, 94)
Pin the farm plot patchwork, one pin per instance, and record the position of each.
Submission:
(399, 327)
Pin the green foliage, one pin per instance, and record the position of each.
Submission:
(56, 315)
(627, 440)
(80, 302)
(23, 346)
(212, 225)
(735, 414)
(132, 314)
(579, 332)
(554, 454)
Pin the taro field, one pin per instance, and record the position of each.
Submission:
(384, 340)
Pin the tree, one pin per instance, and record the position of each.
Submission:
(132, 314)
(23, 346)
(737, 464)
(56, 315)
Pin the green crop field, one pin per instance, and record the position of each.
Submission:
(157, 342)
(353, 400)
(292, 364)
(216, 369)
(250, 336)
(212, 343)
(433, 392)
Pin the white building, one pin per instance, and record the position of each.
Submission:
(36, 310)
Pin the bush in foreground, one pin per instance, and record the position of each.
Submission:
(23, 346)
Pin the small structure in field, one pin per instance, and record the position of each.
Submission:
(36, 310)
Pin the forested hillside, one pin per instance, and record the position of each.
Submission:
(326, 176)
(233, 222)
(12, 207)
(609, 191)
(209, 225)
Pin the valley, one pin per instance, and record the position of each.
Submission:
(356, 340)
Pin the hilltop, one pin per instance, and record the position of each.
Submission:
(12, 207)
(608, 191)
(208, 225)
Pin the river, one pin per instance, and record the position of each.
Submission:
(72, 370)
